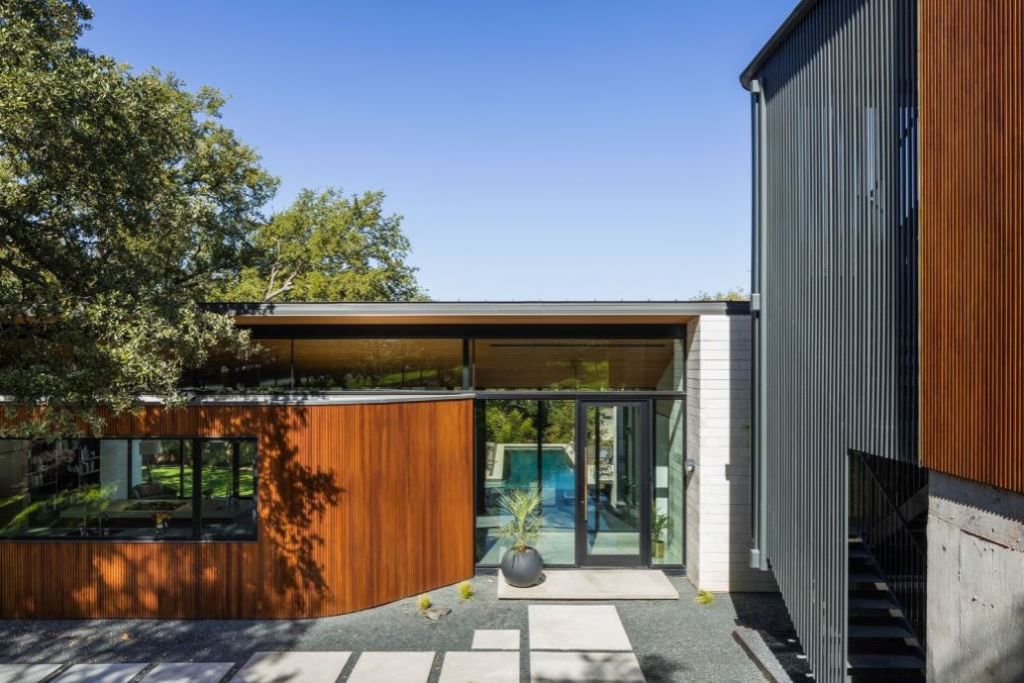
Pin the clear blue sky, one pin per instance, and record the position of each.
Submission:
(538, 149)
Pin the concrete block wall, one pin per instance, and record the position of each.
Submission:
(718, 439)
(975, 615)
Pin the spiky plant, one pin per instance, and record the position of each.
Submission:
(523, 508)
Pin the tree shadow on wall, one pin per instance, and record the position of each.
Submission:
(281, 575)
(293, 499)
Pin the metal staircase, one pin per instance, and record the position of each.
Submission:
(882, 643)
(887, 566)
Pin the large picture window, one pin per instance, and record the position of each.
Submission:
(527, 445)
(127, 489)
(364, 364)
(578, 364)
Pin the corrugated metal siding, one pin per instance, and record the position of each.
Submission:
(839, 290)
(972, 239)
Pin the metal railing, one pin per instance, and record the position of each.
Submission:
(889, 511)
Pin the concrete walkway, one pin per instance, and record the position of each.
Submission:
(588, 643)
(481, 639)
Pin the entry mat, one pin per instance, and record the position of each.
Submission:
(593, 584)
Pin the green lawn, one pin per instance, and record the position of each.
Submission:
(217, 480)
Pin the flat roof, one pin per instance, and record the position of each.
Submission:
(781, 34)
(461, 312)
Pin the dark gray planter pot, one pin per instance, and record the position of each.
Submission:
(522, 569)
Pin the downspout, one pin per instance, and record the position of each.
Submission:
(759, 253)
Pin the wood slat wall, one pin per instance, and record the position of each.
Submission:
(359, 505)
(972, 239)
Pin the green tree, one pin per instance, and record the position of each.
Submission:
(124, 203)
(329, 247)
(734, 294)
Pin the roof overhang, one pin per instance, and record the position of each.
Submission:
(778, 38)
(456, 313)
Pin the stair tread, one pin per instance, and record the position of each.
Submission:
(859, 553)
(885, 662)
(872, 603)
(874, 631)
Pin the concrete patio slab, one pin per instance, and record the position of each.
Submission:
(480, 667)
(577, 628)
(502, 639)
(388, 667)
(293, 667)
(594, 584)
(26, 673)
(189, 672)
(100, 673)
(586, 667)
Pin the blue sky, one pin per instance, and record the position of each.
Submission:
(559, 149)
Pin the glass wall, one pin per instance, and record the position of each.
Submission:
(125, 489)
(578, 364)
(378, 363)
(228, 505)
(268, 369)
(556, 364)
(527, 444)
(669, 481)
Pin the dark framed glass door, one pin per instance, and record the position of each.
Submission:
(613, 482)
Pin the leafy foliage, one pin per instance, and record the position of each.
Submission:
(329, 247)
(734, 294)
(424, 602)
(512, 421)
(704, 597)
(466, 590)
(525, 521)
(123, 204)
(660, 523)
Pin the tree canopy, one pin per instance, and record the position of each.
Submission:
(734, 294)
(328, 247)
(124, 204)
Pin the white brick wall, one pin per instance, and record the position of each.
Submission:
(718, 439)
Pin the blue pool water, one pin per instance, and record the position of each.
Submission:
(557, 470)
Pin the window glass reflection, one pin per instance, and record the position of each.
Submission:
(364, 364)
(124, 489)
(578, 364)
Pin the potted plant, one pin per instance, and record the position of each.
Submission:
(659, 525)
(521, 564)
(161, 521)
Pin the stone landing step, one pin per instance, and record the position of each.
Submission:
(594, 584)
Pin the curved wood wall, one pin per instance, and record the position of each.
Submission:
(359, 505)
(972, 240)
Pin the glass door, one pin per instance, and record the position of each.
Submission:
(613, 484)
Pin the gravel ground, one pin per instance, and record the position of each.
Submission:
(674, 640)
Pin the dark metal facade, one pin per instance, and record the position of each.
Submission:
(835, 153)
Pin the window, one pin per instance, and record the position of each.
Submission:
(268, 369)
(227, 504)
(125, 489)
(527, 445)
(363, 364)
(668, 513)
(579, 364)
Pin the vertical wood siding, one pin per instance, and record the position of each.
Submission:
(359, 505)
(839, 291)
(972, 240)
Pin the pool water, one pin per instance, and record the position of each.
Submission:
(558, 477)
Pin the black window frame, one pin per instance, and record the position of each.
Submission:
(467, 334)
(198, 536)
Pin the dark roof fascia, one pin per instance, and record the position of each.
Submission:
(485, 308)
(792, 21)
